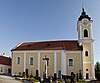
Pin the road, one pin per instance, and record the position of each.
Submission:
(7, 79)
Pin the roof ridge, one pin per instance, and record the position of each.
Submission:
(49, 41)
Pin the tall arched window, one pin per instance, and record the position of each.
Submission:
(86, 53)
(31, 61)
(71, 63)
(85, 33)
(18, 60)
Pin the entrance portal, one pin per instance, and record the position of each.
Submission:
(87, 76)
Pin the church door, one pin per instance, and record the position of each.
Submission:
(87, 76)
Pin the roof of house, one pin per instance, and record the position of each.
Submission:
(71, 45)
(5, 60)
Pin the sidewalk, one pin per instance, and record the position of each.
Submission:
(8, 79)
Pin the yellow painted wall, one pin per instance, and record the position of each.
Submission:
(76, 67)
(87, 59)
(20, 67)
(32, 68)
(89, 67)
(42, 63)
(86, 47)
(58, 61)
(16, 68)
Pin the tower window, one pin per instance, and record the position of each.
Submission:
(86, 53)
(85, 33)
(71, 62)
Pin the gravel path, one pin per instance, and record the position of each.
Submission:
(7, 79)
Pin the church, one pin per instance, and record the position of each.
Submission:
(62, 56)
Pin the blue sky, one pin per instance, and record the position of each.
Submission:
(42, 20)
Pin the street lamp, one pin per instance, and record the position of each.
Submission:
(46, 59)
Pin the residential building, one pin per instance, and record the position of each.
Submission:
(5, 65)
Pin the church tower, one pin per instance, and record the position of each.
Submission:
(85, 39)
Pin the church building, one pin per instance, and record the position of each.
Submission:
(62, 56)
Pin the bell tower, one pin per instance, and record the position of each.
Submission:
(84, 26)
(84, 29)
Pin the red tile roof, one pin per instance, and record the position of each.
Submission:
(5, 60)
(70, 45)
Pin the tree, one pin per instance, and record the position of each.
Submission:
(97, 71)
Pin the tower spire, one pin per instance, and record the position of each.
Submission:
(83, 14)
(83, 5)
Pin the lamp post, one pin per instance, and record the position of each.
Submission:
(46, 59)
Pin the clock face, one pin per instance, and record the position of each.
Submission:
(85, 22)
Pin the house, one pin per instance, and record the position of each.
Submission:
(5, 65)
(55, 57)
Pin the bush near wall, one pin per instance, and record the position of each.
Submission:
(97, 71)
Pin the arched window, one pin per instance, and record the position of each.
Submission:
(71, 62)
(86, 53)
(85, 33)
(31, 61)
(18, 60)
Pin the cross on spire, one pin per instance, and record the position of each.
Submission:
(83, 5)
(83, 14)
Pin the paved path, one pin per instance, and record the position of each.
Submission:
(7, 79)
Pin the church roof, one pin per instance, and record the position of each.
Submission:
(5, 60)
(70, 45)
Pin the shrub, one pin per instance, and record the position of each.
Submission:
(32, 79)
(59, 81)
(19, 75)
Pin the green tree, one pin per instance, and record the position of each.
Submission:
(97, 71)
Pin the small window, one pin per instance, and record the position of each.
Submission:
(71, 62)
(31, 61)
(5, 71)
(85, 33)
(86, 53)
(18, 60)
